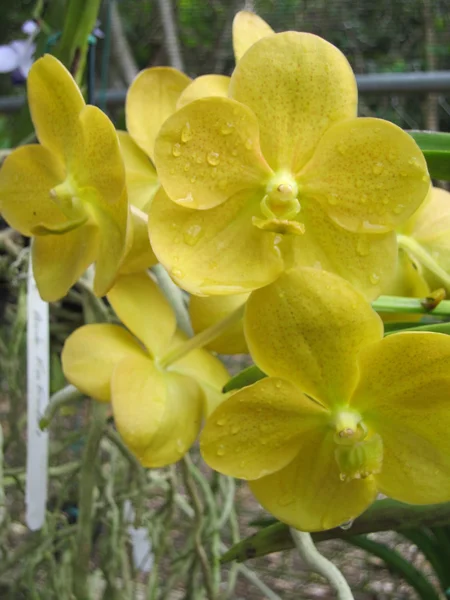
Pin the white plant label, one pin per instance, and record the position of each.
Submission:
(38, 383)
(140, 542)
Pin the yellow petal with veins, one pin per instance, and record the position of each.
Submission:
(309, 327)
(99, 175)
(308, 493)
(368, 174)
(92, 352)
(55, 104)
(207, 311)
(216, 251)
(248, 28)
(208, 151)
(60, 260)
(204, 87)
(151, 98)
(297, 84)
(141, 177)
(367, 261)
(141, 306)
(259, 429)
(403, 395)
(26, 178)
(157, 414)
(207, 370)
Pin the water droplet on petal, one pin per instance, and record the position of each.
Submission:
(249, 144)
(176, 150)
(377, 168)
(213, 158)
(181, 446)
(186, 133)
(187, 166)
(374, 278)
(342, 149)
(192, 234)
(373, 227)
(220, 422)
(235, 429)
(220, 450)
(346, 525)
(177, 273)
(278, 384)
(286, 499)
(398, 209)
(333, 199)
(226, 129)
(193, 179)
(187, 200)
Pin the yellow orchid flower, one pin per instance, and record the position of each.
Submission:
(248, 28)
(157, 410)
(206, 311)
(282, 173)
(69, 192)
(151, 99)
(344, 414)
(425, 237)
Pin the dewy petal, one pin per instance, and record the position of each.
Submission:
(141, 177)
(208, 151)
(204, 87)
(151, 98)
(60, 260)
(403, 395)
(157, 414)
(258, 430)
(209, 310)
(55, 104)
(248, 28)
(141, 306)
(369, 175)
(297, 84)
(26, 178)
(309, 327)
(216, 251)
(308, 493)
(140, 256)
(92, 352)
(367, 261)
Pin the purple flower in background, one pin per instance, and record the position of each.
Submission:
(17, 56)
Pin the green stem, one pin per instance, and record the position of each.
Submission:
(67, 395)
(198, 511)
(398, 304)
(86, 500)
(175, 297)
(81, 16)
(418, 251)
(319, 564)
(2, 489)
(203, 338)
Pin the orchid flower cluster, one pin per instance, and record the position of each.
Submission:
(263, 195)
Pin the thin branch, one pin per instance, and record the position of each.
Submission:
(170, 34)
(319, 564)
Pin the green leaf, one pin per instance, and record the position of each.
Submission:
(436, 327)
(429, 544)
(396, 563)
(436, 149)
(383, 515)
(246, 377)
